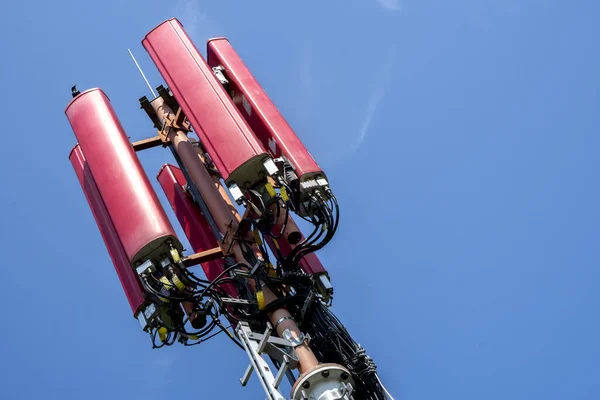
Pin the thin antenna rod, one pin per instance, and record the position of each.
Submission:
(142, 72)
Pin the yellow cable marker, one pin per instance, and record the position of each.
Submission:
(166, 282)
(284, 194)
(270, 190)
(175, 255)
(180, 285)
(162, 333)
(260, 298)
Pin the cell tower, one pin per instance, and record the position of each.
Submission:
(262, 278)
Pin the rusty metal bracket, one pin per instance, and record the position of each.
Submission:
(172, 121)
(177, 121)
(147, 143)
(167, 96)
(202, 257)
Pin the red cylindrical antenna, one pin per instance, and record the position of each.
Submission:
(262, 115)
(127, 276)
(137, 215)
(236, 152)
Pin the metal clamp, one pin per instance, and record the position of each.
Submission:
(295, 341)
(218, 71)
(280, 320)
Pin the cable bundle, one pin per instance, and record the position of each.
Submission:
(332, 343)
(324, 216)
(198, 291)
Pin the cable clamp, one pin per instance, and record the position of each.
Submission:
(295, 341)
(280, 320)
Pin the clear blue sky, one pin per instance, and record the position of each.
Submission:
(461, 138)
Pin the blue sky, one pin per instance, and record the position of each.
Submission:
(461, 138)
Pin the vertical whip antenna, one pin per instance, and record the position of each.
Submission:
(142, 73)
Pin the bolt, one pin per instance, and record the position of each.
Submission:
(306, 385)
(344, 376)
(325, 374)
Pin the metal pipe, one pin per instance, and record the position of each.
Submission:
(248, 235)
(291, 232)
(282, 320)
(228, 223)
(197, 197)
(309, 358)
(198, 174)
(217, 180)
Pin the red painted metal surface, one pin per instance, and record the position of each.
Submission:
(134, 208)
(236, 152)
(192, 221)
(311, 264)
(262, 115)
(129, 280)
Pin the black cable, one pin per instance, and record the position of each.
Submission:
(331, 224)
(153, 336)
(331, 343)
(204, 339)
(230, 335)
(215, 281)
(285, 221)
